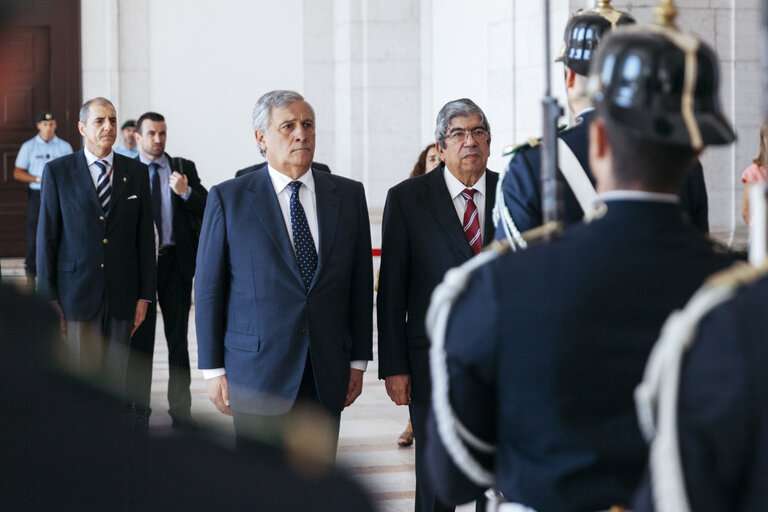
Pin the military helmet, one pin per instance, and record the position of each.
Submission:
(660, 83)
(584, 31)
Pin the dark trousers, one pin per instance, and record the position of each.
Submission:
(98, 348)
(425, 501)
(174, 295)
(33, 212)
(258, 428)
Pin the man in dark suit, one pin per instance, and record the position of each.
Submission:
(284, 286)
(548, 378)
(315, 165)
(178, 202)
(431, 223)
(522, 182)
(96, 251)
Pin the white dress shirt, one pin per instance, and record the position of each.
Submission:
(455, 188)
(307, 197)
(91, 160)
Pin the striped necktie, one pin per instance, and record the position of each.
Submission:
(103, 184)
(303, 243)
(472, 221)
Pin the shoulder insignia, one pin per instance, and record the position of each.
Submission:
(513, 149)
(738, 275)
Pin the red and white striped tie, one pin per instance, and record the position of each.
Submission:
(471, 221)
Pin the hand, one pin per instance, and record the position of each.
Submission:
(179, 183)
(399, 388)
(218, 393)
(355, 386)
(138, 317)
(62, 320)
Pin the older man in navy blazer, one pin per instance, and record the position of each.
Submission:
(96, 248)
(284, 286)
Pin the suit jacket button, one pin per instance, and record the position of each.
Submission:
(102, 265)
(101, 218)
(106, 240)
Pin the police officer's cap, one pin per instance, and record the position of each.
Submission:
(46, 115)
(660, 83)
(584, 31)
(131, 123)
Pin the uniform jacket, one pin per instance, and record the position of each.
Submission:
(422, 238)
(723, 409)
(253, 314)
(85, 257)
(549, 377)
(522, 184)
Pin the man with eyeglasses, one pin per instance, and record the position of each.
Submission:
(431, 224)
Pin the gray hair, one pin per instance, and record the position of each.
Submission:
(85, 110)
(262, 110)
(462, 107)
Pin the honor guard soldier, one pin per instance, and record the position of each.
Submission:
(537, 400)
(520, 203)
(32, 157)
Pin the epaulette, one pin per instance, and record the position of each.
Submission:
(737, 275)
(527, 144)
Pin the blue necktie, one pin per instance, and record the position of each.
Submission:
(157, 200)
(103, 185)
(303, 243)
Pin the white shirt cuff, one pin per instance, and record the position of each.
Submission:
(358, 365)
(213, 373)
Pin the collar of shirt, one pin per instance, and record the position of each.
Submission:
(162, 161)
(90, 158)
(455, 187)
(638, 195)
(43, 141)
(280, 181)
(585, 111)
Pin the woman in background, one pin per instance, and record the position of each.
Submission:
(757, 172)
(428, 160)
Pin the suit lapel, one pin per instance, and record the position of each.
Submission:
(491, 180)
(120, 179)
(438, 200)
(328, 210)
(267, 209)
(83, 181)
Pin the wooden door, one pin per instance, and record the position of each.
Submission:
(39, 70)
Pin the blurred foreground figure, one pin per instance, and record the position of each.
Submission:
(545, 386)
(65, 444)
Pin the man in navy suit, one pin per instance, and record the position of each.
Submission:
(548, 379)
(284, 285)
(425, 230)
(96, 249)
(522, 183)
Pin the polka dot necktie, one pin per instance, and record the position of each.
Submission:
(103, 185)
(471, 221)
(303, 243)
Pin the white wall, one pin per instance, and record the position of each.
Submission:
(377, 72)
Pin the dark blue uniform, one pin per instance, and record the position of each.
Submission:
(522, 184)
(723, 409)
(549, 375)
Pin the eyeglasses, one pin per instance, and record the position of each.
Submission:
(460, 135)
